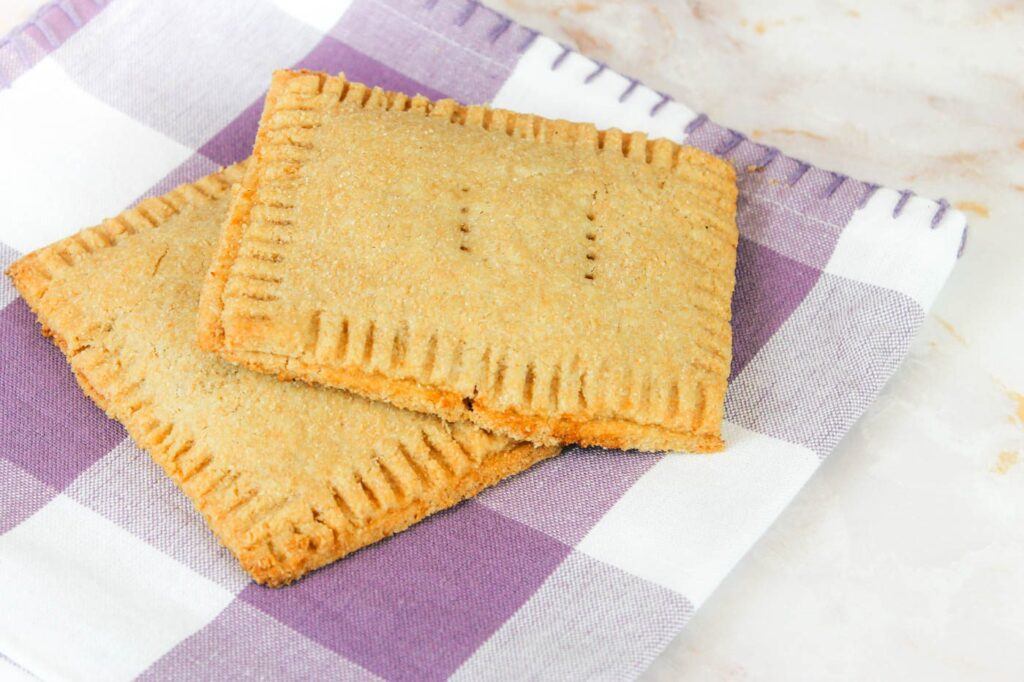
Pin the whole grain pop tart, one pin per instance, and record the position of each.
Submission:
(540, 278)
(289, 476)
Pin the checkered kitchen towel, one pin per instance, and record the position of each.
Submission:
(585, 566)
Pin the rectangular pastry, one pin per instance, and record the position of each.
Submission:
(290, 477)
(540, 278)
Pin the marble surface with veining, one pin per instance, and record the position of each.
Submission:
(903, 557)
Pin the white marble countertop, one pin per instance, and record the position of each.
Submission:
(903, 558)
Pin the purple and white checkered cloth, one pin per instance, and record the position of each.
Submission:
(585, 566)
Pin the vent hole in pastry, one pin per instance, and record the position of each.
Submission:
(464, 229)
(589, 276)
(591, 256)
(591, 236)
(468, 404)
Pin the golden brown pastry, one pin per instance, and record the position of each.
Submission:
(540, 278)
(290, 477)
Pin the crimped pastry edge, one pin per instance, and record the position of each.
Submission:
(298, 555)
(410, 394)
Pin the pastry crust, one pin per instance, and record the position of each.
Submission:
(542, 279)
(289, 477)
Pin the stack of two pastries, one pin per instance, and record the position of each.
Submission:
(486, 285)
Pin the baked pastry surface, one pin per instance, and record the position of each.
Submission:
(540, 278)
(289, 477)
